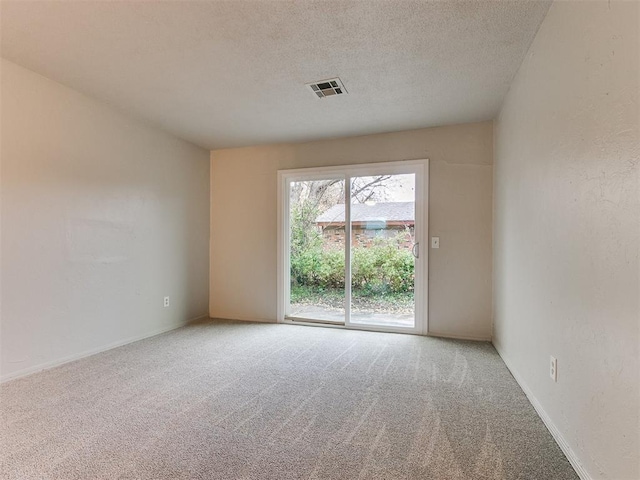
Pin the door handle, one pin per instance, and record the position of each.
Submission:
(416, 250)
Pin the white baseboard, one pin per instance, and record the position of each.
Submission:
(204, 316)
(242, 318)
(87, 353)
(560, 440)
(458, 337)
(239, 318)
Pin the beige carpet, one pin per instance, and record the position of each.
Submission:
(227, 400)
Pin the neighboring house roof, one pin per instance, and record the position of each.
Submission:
(360, 212)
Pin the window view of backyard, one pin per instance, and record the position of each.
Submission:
(382, 262)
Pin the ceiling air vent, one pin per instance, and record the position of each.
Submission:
(327, 88)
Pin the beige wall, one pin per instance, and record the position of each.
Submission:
(102, 217)
(566, 235)
(243, 201)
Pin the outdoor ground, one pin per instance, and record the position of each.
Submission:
(385, 309)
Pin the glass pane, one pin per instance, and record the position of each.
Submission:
(317, 255)
(382, 262)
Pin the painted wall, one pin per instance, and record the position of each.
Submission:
(566, 237)
(102, 216)
(244, 200)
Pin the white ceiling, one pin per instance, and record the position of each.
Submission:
(233, 73)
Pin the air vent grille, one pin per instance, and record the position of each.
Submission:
(327, 88)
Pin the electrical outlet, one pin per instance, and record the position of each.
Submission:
(166, 301)
(553, 368)
(435, 242)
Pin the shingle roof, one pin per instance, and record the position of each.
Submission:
(361, 212)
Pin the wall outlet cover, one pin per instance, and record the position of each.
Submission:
(553, 368)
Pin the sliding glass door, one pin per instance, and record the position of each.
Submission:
(383, 250)
(350, 246)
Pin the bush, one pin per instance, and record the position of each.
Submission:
(377, 269)
(382, 268)
(315, 267)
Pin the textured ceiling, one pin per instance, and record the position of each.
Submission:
(224, 74)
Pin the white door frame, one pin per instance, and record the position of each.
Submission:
(421, 169)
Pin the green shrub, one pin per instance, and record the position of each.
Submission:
(381, 268)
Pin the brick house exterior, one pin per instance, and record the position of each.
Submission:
(368, 222)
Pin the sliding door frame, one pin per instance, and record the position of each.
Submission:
(346, 172)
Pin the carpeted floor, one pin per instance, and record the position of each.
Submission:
(227, 400)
